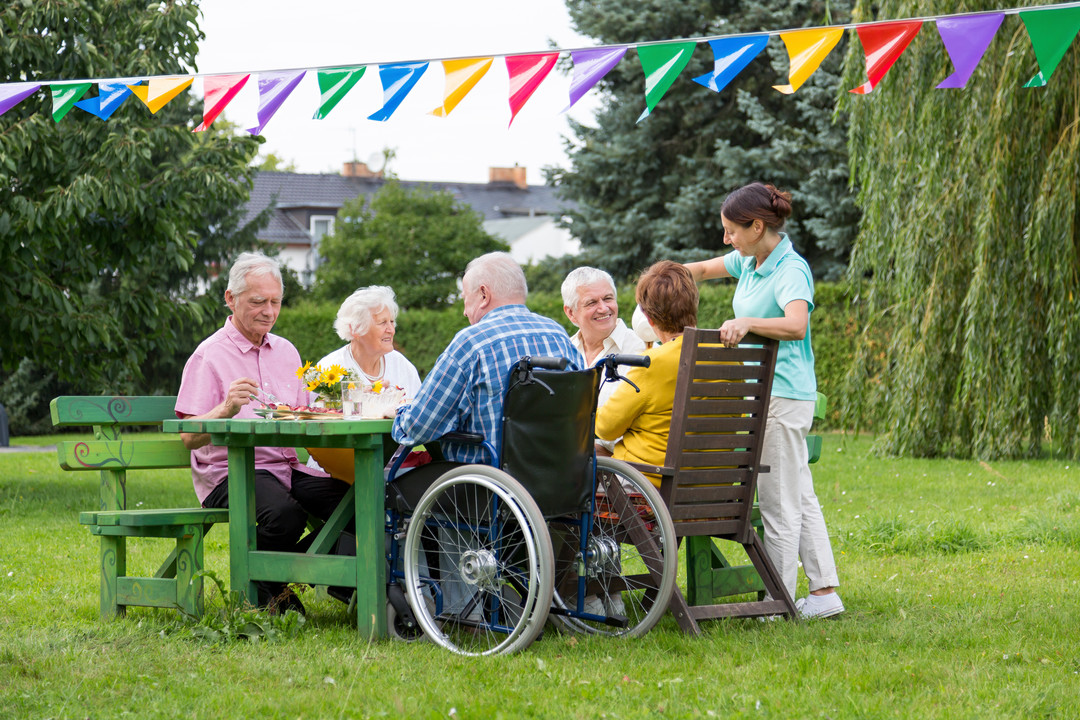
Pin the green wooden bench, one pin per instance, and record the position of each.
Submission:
(177, 583)
(708, 573)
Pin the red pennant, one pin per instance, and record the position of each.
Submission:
(883, 43)
(218, 91)
(526, 74)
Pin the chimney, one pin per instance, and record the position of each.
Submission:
(514, 175)
(358, 169)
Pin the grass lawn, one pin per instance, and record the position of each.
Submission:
(960, 580)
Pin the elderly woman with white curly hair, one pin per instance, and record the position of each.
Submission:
(367, 321)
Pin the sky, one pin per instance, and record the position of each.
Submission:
(246, 36)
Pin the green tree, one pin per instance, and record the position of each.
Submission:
(416, 241)
(273, 163)
(651, 190)
(547, 274)
(968, 252)
(107, 229)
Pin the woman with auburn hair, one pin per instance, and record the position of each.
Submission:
(668, 298)
(774, 298)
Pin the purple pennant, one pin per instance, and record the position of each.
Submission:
(274, 88)
(589, 66)
(966, 40)
(12, 95)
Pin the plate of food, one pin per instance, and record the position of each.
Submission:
(300, 412)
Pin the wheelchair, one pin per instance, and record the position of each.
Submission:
(481, 556)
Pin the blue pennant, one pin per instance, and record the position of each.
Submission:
(731, 56)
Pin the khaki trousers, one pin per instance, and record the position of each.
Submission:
(794, 526)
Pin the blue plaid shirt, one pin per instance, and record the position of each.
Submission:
(465, 389)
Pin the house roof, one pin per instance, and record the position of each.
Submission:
(494, 200)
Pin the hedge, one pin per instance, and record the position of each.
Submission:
(422, 334)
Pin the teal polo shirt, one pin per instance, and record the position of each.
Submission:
(764, 292)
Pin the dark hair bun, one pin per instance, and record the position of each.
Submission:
(758, 201)
(781, 202)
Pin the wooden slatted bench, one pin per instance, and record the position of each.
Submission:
(177, 583)
(709, 575)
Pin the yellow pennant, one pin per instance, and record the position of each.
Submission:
(806, 50)
(160, 91)
(461, 77)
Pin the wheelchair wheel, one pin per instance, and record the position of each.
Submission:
(630, 560)
(397, 630)
(478, 563)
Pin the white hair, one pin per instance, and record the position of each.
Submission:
(579, 278)
(252, 263)
(499, 272)
(355, 314)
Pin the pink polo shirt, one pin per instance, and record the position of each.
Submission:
(221, 358)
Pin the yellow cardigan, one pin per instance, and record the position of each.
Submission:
(643, 419)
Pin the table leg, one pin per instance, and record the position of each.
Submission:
(371, 542)
(241, 521)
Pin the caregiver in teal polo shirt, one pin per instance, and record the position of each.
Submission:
(774, 298)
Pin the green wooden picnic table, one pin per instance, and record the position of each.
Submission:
(363, 503)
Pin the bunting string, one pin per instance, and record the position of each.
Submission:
(965, 37)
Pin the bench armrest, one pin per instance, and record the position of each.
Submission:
(654, 469)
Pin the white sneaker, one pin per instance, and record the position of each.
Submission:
(819, 606)
(607, 605)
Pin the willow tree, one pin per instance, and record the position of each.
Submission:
(966, 257)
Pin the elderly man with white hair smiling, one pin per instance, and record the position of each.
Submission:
(590, 302)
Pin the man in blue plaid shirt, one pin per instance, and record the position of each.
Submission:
(465, 389)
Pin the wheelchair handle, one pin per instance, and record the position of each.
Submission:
(632, 360)
(611, 363)
(546, 363)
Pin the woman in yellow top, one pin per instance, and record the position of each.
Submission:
(668, 297)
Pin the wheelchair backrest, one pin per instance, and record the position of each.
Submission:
(547, 440)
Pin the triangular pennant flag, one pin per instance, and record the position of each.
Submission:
(109, 98)
(334, 84)
(883, 44)
(1051, 33)
(397, 80)
(966, 39)
(806, 50)
(64, 96)
(12, 95)
(218, 92)
(731, 55)
(160, 91)
(589, 67)
(461, 77)
(526, 74)
(662, 64)
(274, 88)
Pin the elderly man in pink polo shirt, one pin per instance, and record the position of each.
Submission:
(241, 359)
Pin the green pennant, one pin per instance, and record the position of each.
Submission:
(65, 96)
(1051, 33)
(334, 84)
(662, 64)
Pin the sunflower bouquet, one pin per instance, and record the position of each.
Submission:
(326, 383)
